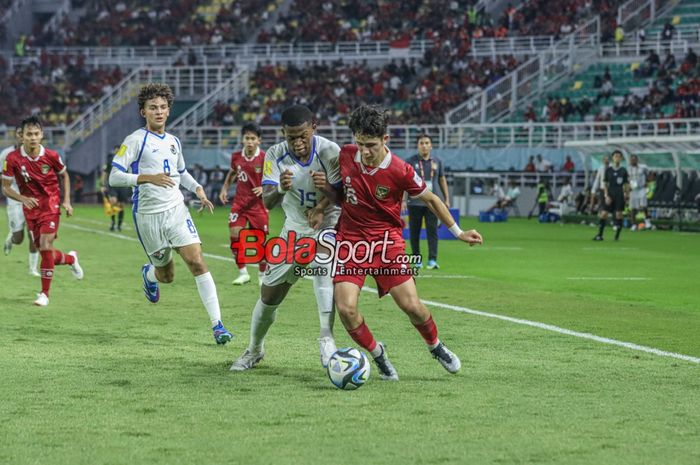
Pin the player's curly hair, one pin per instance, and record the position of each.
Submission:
(153, 90)
(369, 120)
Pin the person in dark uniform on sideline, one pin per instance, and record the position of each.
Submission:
(616, 187)
(117, 196)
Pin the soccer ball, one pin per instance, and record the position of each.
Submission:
(348, 368)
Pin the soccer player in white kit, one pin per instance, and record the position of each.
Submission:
(290, 175)
(638, 195)
(15, 215)
(150, 161)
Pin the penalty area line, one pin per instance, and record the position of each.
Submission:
(457, 308)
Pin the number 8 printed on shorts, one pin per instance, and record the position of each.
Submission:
(190, 226)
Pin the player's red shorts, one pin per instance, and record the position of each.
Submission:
(386, 275)
(241, 217)
(45, 224)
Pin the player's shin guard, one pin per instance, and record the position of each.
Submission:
(428, 330)
(60, 258)
(323, 289)
(260, 322)
(363, 337)
(207, 292)
(47, 267)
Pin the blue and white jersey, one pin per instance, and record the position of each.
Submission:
(145, 152)
(303, 195)
(3, 156)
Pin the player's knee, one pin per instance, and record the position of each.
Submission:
(346, 309)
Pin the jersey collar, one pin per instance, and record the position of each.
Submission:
(257, 152)
(382, 166)
(42, 151)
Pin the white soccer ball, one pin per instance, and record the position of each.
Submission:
(348, 368)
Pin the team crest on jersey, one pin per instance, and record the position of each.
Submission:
(173, 150)
(267, 170)
(45, 169)
(258, 169)
(381, 192)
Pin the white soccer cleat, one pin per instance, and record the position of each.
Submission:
(247, 361)
(447, 358)
(75, 267)
(241, 280)
(42, 300)
(35, 273)
(327, 348)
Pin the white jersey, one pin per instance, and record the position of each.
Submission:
(638, 176)
(3, 156)
(599, 177)
(145, 152)
(303, 195)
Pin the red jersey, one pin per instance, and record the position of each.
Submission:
(37, 177)
(372, 196)
(249, 175)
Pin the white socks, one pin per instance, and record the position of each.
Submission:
(151, 274)
(243, 271)
(33, 261)
(207, 292)
(323, 289)
(262, 319)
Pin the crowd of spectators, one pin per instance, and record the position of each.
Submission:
(413, 92)
(57, 87)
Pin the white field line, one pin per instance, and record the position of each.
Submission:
(603, 278)
(444, 276)
(612, 249)
(534, 324)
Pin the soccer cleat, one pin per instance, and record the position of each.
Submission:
(327, 348)
(75, 267)
(418, 265)
(247, 361)
(241, 280)
(7, 246)
(386, 369)
(598, 238)
(432, 265)
(42, 300)
(447, 358)
(35, 273)
(150, 289)
(221, 335)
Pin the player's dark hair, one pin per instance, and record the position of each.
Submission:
(424, 135)
(617, 151)
(252, 128)
(296, 115)
(31, 121)
(153, 90)
(369, 120)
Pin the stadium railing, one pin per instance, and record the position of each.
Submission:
(635, 14)
(636, 51)
(530, 79)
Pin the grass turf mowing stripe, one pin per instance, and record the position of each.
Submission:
(534, 324)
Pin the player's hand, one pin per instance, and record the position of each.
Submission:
(319, 178)
(608, 200)
(315, 217)
(286, 180)
(69, 209)
(30, 202)
(257, 191)
(447, 203)
(162, 180)
(205, 202)
(223, 197)
(471, 237)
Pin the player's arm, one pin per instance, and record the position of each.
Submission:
(230, 177)
(10, 193)
(440, 210)
(66, 192)
(316, 214)
(321, 183)
(273, 193)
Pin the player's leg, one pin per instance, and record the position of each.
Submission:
(431, 225)
(113, 202)
(15, 219)
(618, 221)
(259, 219)
(236, 223)
(192, 256)
(346, 296)
(603, 219)
(415, 221)
(406, 297)
(323, 290)
(33, 257)
(120, 215)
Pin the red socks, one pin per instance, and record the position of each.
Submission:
(47, 266)
(429, 331)
(60, 258)
(363, 336)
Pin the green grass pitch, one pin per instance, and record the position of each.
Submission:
(101, 376)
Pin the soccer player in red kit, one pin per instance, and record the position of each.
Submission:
(247, 207)
(374, 181)
(36, 170)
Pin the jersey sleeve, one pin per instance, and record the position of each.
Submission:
(411, 182)
(271, 171)
(181, 166)
(8, 170)
(233, 161)
(330, 158)
(57, 162)
(127, 154)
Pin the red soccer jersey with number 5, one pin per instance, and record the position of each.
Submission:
(37, 177)
(372, 196)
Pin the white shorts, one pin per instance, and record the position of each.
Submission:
(15, 216)
(160, 232)
(288, 272)
(638, 199)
